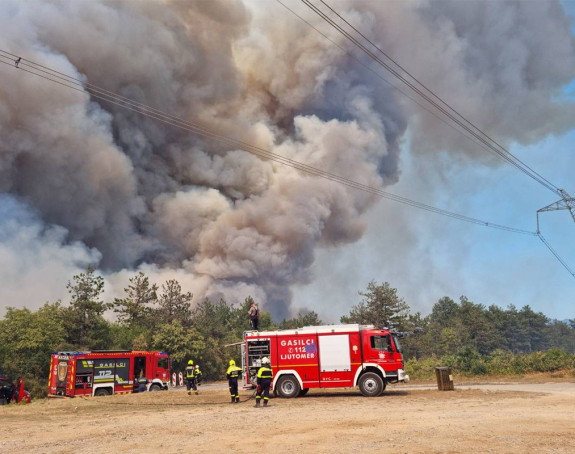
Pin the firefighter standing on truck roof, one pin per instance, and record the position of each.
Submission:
(191, 378)
(264, 381)
(232, 374)
(254, 314)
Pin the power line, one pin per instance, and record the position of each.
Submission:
(425, 93)
(105, 95)
(379, 76)
(440, 105)
(546, 243)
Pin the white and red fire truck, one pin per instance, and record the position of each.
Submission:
(331, 356)
(103, 373)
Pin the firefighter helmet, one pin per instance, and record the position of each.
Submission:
(197, 366)
(232, 362)
(265, 360)
(190, 363)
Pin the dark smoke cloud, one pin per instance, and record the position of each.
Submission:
(144, 195)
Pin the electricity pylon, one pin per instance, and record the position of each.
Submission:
(566, 203)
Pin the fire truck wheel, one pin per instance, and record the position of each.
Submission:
(371, 384)
(288, 387)
(155, 387)
(102, 392)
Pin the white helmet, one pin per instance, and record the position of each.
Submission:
(265, 360)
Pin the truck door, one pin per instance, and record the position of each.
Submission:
(335, 360)
(139, 367)
(84, 376)
(162, 369)
(122, 375)
(104, 372)
(377, 349)
(62, 375)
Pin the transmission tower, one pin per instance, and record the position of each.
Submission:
(566, 203)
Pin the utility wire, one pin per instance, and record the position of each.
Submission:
(105, 95)
(545, 242)
(379, 76)
(432, 99)
(423, 91)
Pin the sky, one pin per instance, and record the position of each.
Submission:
(87, 182)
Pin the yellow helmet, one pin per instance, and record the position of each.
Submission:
(232, 362)
(190, 363)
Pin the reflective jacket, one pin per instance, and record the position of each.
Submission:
(233, 372)
(265, 375)
(142, 384)
(190, 372)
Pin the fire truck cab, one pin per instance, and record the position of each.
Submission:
(329, 356)
(102, 373)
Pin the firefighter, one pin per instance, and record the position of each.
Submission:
(142, 383)
(254, 314)
(191, 378)
(198, 375)
(232, 374)
(264, 381)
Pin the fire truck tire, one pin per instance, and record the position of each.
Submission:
(303, 392)
(371, 384)
(288, 387)
(102, 392)
(155, 387)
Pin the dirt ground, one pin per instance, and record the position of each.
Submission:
(412, 418)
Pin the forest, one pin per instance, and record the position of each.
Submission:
(467, 336)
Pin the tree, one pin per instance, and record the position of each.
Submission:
(27, 339)
(381, 307)
(215, 320)
(561, 335)
(84, 319)
(174, 305)
(444, 311)
(448, 341)
(180, 342)
(303, 318)
(476, 329)
(136, 308)
(534, 326)
(515, 332)
(416, 342)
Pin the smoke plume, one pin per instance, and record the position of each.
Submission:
(99, 183)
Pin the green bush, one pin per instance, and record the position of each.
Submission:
(550, 360)
(498, 362)
(37, 387)
(422, 369)
(469, 362)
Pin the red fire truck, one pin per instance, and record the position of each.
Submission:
(103, 373)
(331, 356)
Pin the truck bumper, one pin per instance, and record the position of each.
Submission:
(402, 376)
